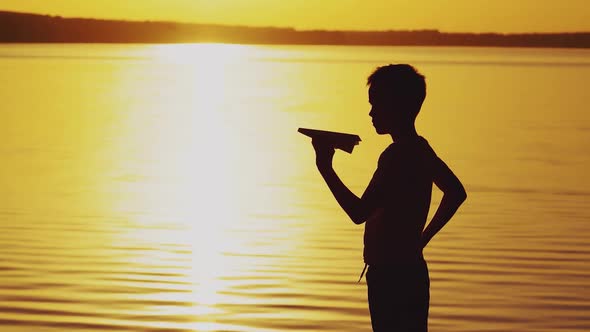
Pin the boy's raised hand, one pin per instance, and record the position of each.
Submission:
(324, 154)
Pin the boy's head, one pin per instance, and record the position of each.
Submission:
(396, 94)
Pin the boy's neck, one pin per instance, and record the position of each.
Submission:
(405, 134)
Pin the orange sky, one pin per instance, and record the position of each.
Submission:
(449, 15)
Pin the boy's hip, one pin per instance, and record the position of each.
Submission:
(401, 273)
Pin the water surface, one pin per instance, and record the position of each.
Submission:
(165, 188)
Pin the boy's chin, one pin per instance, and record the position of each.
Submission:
(381, 131)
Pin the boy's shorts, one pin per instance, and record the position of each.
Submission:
(399, 297)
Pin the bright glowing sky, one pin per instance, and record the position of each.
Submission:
(445, 15)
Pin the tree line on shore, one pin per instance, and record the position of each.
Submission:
(33, 28)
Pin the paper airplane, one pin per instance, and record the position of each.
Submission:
(342, 141)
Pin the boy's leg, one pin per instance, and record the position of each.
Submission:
(399, 298)
(382, 312)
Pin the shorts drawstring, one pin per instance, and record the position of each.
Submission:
(363, 273)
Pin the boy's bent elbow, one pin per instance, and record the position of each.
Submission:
(457, 196)
(460, 196)
(365, 213)
(358, 221)
(356, 218)
(359, 216)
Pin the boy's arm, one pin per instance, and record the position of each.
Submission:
(356, 208)
(453, 196)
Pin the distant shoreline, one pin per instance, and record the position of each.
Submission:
(35, 28)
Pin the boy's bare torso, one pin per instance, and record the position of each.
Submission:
(399, 194)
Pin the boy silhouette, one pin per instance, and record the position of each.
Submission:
(395, 204)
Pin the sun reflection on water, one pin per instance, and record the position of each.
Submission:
(201, 166)
(201, 161)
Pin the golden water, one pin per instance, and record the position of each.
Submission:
(165, 187)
